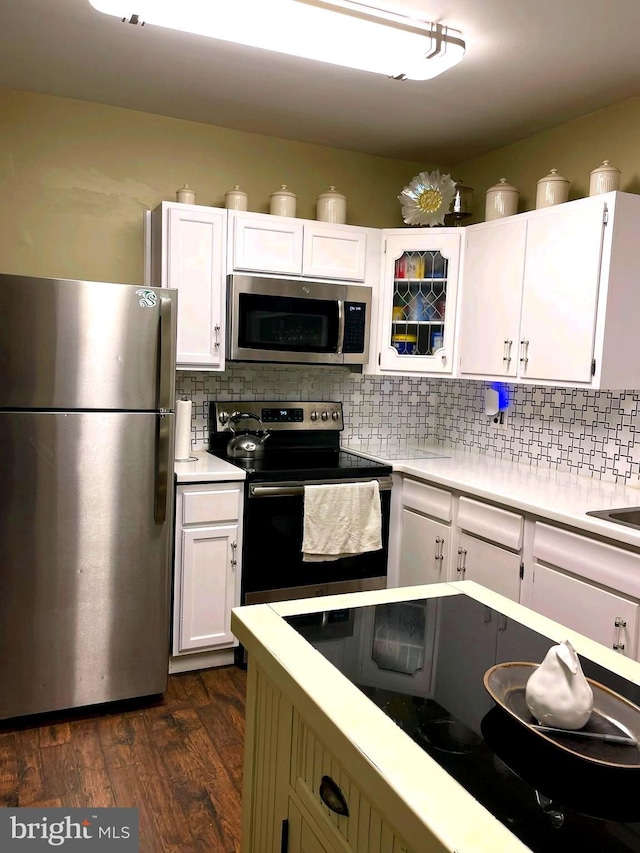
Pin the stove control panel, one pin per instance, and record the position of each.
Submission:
(279, 415)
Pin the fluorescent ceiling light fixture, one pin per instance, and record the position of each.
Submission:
(341, 32)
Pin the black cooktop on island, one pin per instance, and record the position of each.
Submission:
(303, 442)
(550, 799)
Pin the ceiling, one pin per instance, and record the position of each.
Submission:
(529, 65)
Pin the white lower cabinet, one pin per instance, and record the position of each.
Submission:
(207, 566)
(489, 546)
(593, 603)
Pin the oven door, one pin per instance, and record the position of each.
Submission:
(296, 321)
(272, 564)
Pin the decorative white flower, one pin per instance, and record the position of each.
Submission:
(427, 199)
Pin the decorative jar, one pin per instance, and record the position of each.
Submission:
(604, 179)
(185, 195)
(331, 206)
(282, 202)
(501, 200)
(235, 199)
(552, 189)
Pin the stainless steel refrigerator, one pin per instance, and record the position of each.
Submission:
(87, 383)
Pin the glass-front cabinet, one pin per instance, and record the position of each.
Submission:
(420, 284)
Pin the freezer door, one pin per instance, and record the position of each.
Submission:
(85, 345)
(85, 540)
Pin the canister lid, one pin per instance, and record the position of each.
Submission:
(235, 191)
(552, 177)
(606, 168)
(503, 186)
(332, 193)
(283, 191)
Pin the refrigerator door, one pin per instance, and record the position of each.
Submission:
(85, 542)
(85, 345)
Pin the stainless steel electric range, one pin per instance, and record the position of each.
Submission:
(303, 448)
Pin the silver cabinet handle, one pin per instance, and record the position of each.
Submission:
(507, 351)
(216, 329)
(524, 351)
(619, 624)
(462, 556)
(439, 545)
(234, 561)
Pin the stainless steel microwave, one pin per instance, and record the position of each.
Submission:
(271, 319)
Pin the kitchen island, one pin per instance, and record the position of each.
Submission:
(346, 696)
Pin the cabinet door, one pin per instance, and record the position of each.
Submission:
(424, 550)
(419, 303)
(334, 251)
(195, 267)
(210, 586)
(302, 838)
(492, 298)
(488, 565)
(592, 611)
(561, 280)
(267, 244)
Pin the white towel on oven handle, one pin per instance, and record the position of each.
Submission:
(341, 520)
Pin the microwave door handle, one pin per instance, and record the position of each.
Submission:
(340, 326)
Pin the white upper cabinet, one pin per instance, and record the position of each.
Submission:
(548, 296)
(418, 301)
(187, 252)
(281, 245)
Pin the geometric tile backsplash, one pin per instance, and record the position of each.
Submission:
(592, 433)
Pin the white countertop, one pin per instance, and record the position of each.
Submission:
(206, 468)
(555, 495)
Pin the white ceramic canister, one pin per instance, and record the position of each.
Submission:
(185, 195)
(604, 179)
(282, 202)
(331, 206)
(552, 189)
(501, 200)
(235, 199)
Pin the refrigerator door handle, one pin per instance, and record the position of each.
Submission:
(163, 454)
(165, 356)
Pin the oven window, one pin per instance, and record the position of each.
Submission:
(288, 323)
(272, 553)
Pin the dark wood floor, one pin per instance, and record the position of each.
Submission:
(177, 759)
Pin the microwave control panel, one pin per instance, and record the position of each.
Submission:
(355, 318)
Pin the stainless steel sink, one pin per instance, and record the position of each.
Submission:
(629, 516)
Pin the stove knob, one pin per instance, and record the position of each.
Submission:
(325, 416)
(223, 417)
(314, 416)
(335, 416)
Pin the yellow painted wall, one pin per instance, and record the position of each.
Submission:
(574, 149)
(75, 178)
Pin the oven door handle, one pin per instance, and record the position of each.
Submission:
(257, 490)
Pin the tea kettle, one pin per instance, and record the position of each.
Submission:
(248, 444)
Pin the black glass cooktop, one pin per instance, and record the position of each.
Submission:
(423, 665)
(305, 464)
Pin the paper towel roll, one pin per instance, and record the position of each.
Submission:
(183, 429)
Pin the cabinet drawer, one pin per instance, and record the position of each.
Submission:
(364, 829)
(426, 499)
(490, 522)
(210, 505)
(588, 558)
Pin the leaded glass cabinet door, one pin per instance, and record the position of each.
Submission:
(420, 293)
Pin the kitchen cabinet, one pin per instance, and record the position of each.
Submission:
(207, 567)
(546, 295)
(188, 253)
(418, 301)
(489, 544)
(275, 244)
(582, 583)
(420, 533)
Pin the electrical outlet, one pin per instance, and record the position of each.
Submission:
(499, 420)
